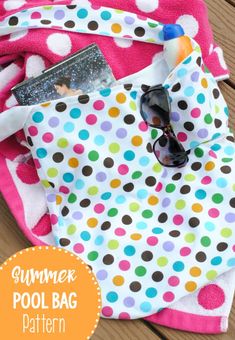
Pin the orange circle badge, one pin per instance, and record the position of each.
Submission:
(48, 293)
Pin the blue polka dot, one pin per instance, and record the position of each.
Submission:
(41, 153)
(68, 127)
(182, 72)
(194, 144)
(146, 307)
(157, 230)
(82, 13)
(142, 193)
(229, 150)
(201, 98)
(215, 147)
(99, 240)
(178, 266)
(120, 199)
(83, 134)
(216, 261)
(85, 236)
(68, 177)
(105, 15)
(141, 225)
(25, 24)
(231, 262)
(61, 221)
(216, 135)
(38, 117)
(161, 35)
(106, 196)
(105, 92)
(112, 297)
(75, 113)
(129, 250)
(79, 184)
(209, 226)
(200, 194)
(189, 91)
(226, 111)
(99, 140)
(129, 155)
(144, 161)
(151, 292)
(221, 182)
(187, 61)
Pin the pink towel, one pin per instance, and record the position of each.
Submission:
(26, 54)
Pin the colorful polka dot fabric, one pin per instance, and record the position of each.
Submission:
(151, 234)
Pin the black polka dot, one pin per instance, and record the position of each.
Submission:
(139, 31)
(87, 170)
(149, 148)
(65, 211)
(194, 222)
(29, 140)
(108, 259)
(217, 123)
(69, 24)
(64, 242)
(128, 87)
(128, 187)
(71, 6)
(196, 166)
(105, 225)
(225, 169)
(232, 202)
(176, 87)
(163, 141)
(162, 218)
(174, 233)
(126, 219)
(52, 184)
(150, 181)
(61, 107)
(200, 256)
(85, 203)
(177, 176)
(129, 119)
(108, 162)
(199, 61)
(230, 139)
(93, 25)
(185, 189)
(216, 93)
(145, 87)
(182, 105)
(46, 22)
(157, 276)
(189, 126)
(58, 157)
(135, 286)
(147, 256)
(13, 21)
(83, 99)
(222, 246)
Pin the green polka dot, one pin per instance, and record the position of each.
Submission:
(217, 109)
(133, 106)
(199, 152)
(227, 160)
(71, 229)
(140, 271)
(72, 198)
(147, 213)
(190, 237)
(217, 198)
(180, 204)
(45, 183)
(62, 143)
(211, 275)
(226, 232)
(170, 188)
(136, 175)
(92, 256)
(93, 156)
(113, 244)
(205, 241)
(93, 191)
(208, 119)
(154, 133)
(134, 206)
(162, 261)
(233, 187)
(112, 212)
(152, 24)
(189, 178)
(157, 167)
(114, 147)
(52, 172)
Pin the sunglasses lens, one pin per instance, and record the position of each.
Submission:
(156, 107)
(170, 152)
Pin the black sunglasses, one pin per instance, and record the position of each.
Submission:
(155, 110)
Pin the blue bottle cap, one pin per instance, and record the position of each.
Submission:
(172, 31)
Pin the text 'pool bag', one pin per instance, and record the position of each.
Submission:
(152, 234)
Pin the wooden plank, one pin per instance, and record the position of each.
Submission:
(221, 17)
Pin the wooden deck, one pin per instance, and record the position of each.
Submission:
(222, 16)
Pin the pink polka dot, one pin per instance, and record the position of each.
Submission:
(182, 136)
(152, 241)
(213, 212)
(64, 190)
(173, 281)
(36, 15)
(124, 316)
(159, 187)
(141, 17)
(123, 169)
(178, 219)
(124, 265)
(107, 311)
(212, 154)
(143, 126)
(33, 131)
(98, 105)
(78, 248)
(168, 296)
(54, 219)
(78, 148)
(185, 251)
(91, 119)
(195, 113)
(211, 297)
(206, 180)
(233, 248)
(37, 163)
(99, 208)
(120, 232)
(48, 137)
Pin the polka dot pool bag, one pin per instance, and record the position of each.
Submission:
(151, 234)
